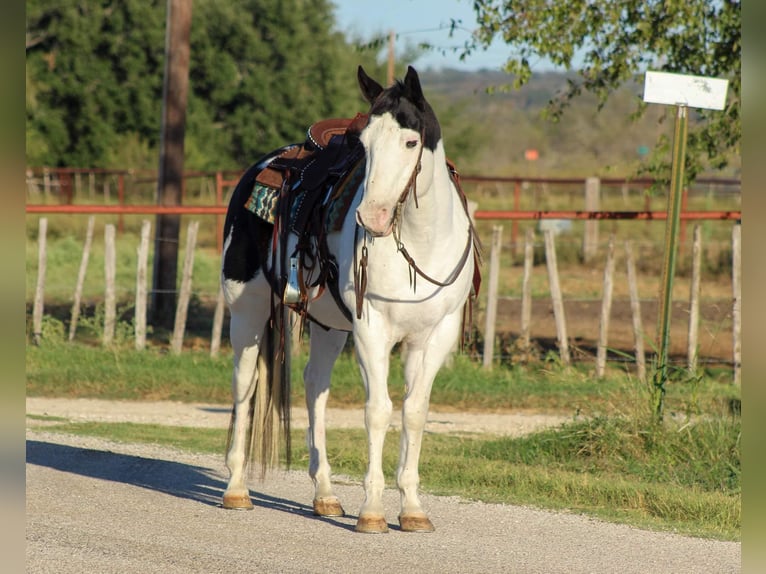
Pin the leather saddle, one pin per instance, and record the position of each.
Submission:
(305, 177)
(331, 146)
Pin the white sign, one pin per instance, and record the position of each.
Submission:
(684, 90)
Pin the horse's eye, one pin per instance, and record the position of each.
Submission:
(412, 143)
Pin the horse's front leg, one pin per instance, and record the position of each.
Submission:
(325, 348)
(424, 359)
(373, 352)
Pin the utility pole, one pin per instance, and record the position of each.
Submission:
(171, 168)
(391, 58)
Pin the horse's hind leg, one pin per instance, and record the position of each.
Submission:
(249, 308)
(325, 348)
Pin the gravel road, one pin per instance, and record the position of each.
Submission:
(94, 505)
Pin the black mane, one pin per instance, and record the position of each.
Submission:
(409, 111)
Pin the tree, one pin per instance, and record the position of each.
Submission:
(261, 71)
(614, 43)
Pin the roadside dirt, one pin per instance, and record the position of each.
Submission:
(217, 416)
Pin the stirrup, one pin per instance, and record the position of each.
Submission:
(292, 292)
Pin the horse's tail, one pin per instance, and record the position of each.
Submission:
(269, 408)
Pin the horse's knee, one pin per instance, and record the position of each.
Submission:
(378, 414)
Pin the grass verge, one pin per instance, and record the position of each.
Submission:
(684, 479)
(60, 369)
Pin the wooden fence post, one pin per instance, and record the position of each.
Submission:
(694, 301)
(736, 284)
(558, 302)
(110, 271)
(81, 278)
(176, 343)
(606, 310)
(635, 307)
(592, 201)
(526, 291)
(141, 286)
(38, 305)
(494, 274)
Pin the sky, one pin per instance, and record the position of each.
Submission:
(417, 21)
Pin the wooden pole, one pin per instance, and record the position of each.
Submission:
(526, 291)
(110, 271)
(38, 305)
(215, 338)
(176, 343)
(81, 278)
(391, 57)
(515, 223)
(141, 285)
(694, 301)
(494, 275)
(635, 307)
(592, 201)
(606, 310)
(558, 302)
(219, 218)
(736, 284)
(170, 177)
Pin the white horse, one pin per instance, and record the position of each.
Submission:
(405, 260)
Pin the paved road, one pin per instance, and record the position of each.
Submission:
(98, 506)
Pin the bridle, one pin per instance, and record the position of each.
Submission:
(360, 266)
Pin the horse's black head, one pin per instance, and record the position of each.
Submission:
(404, 100)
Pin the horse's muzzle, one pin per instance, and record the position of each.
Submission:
(381, 225)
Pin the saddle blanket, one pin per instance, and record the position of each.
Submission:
(263, 199)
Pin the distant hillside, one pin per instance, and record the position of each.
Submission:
(489, 132)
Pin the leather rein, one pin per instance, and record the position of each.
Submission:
(360, 267)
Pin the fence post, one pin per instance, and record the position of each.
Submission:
(592, 201)
(606, 309)
(694, 301)
(110, 299)
(176, 344)
(38, 306)
(494, 274)
(81, 278)
(558, 302)
(635, 307)
(526, 291)
(141, 288)
(736, 284)
(515, 222)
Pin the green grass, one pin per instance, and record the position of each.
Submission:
(58, 368)
(612, 461)
(603, 467)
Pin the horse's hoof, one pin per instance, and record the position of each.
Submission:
(237, 501)
(415, 523)
(372, 524)
(328, 507)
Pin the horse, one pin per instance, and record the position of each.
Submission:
(402, 266)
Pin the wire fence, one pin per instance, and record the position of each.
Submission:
(524, 203)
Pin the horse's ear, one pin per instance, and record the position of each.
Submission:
(370, 88)
(412, 83)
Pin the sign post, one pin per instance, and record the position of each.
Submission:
(682, 91)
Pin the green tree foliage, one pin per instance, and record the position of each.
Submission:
(613, 43)
(261, 71)
(92, 73)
